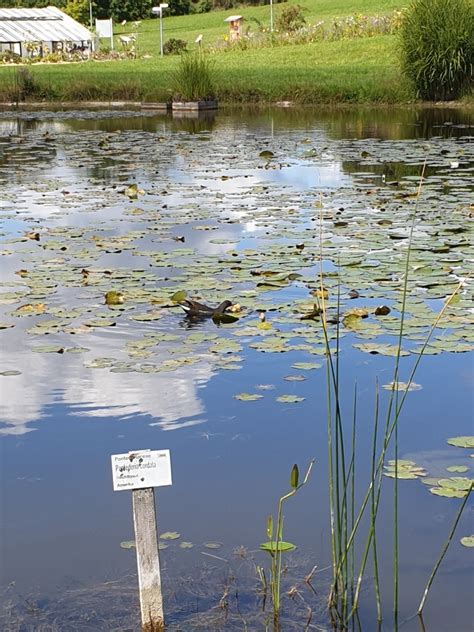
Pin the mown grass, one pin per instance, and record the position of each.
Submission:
(212, 27)
(345, 71)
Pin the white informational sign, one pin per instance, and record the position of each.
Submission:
(142, 468)
(105, 28)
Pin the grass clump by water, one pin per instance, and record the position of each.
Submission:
(437, 44)
(193, 79)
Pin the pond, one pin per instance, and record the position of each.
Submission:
(284, 213)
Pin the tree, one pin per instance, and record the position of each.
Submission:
(130, 9)
(179, 7)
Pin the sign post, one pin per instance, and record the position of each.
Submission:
(159, 11)
(141, 471)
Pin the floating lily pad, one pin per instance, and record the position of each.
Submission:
(248, 397)
(213, 545)
(178, 296)
(306, 366)
(454, 487)
(128, 544)
(186, 545)
(294, 378)
(289, 399)
(462, 442)
(460, 469)
(10, 373)
(114, 298)
(468, 540)
(403, 386)
(404, 469)
(170, 535)
(273, 547)
(382, 349)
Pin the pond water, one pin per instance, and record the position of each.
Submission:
(252, 207)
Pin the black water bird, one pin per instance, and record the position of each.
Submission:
(197, 310)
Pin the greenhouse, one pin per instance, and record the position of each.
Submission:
(38, 32)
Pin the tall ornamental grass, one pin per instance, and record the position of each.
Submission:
(193, 80)
(437, 47)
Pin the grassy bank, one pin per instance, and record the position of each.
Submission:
(358, 70)
(351, 70)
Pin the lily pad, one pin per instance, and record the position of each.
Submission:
(404, 470)
(306, 366)
(248, 397)
(402, 386)
(114, 298)
(273, 546)
(170, 535)
(128, 544)
(290, 399)
(462, 442)
(454, 487)
(468, 540)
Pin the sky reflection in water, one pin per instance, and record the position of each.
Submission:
(230, 458)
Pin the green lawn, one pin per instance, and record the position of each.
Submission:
(352, 70)
(213, 28)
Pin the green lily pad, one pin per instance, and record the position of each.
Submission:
(407, 470)
(289, 399)
(186, 545)
(178, 296)
(10, 373)
(462, 442)
(128, 544)
(170, 535)
(382, 349)
(306, 366)
(454, 487)
(457, 468)
(273, 546)
(403, 386)
(212, 545)
(468, 540)
(248, 397)
(114, 298)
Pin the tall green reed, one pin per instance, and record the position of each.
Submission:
(348, 535)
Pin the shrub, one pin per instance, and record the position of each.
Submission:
(194, 78)
(174, 46)
(291, 19)
(9, 57)
(437, 47)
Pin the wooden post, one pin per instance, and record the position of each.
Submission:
(148, 561)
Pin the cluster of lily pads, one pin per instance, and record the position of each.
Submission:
(132, 228)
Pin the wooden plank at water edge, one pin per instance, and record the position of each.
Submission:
(148, 561)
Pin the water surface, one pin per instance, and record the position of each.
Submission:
(214, 217)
